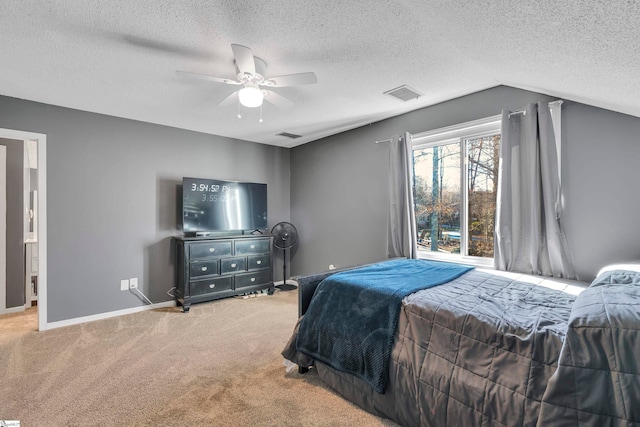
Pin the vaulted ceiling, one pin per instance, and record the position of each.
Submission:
(120, 57)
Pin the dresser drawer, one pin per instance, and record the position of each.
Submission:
(203, 268)
(251, 279)
(252, 246)
(210, 249)
(257, 262)
(231, 265)
(202, 287)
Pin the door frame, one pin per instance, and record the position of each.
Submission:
(41, 140)
(3, 230)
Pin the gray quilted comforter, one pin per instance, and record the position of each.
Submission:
(488, 349)
(597, 382)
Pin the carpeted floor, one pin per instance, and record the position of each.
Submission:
(218, 365)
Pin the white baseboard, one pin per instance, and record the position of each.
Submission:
(289, 282)
(17, 309)
(78, 320)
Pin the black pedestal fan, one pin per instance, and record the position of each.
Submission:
(285, 236)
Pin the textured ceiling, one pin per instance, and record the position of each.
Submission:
(120, 57)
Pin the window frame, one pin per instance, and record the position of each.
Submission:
(458, 134)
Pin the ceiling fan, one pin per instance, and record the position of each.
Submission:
(251, 76)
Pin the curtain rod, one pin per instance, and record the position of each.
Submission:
(385, 140)
(524, 112)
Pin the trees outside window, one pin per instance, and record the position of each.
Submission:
(455, 188)
(482, 189)
(437, 197)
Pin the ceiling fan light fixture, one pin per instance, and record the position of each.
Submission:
(250, 79)
(250, 96)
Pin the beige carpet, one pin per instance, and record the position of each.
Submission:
(218, 365)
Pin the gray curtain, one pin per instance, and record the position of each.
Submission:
(401, 237)
(529, 236)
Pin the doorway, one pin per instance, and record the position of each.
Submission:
(37, 142)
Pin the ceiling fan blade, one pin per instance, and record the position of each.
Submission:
(226, 100)
(210, 78)
(244, 59)
(299, 79)
(161, 46)
(277, 100)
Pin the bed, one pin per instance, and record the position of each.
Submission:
(485, 348)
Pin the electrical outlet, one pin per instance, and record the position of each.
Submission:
(133, 283)
(332, 267)
(124, 285)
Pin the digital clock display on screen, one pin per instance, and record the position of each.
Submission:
(211, 205)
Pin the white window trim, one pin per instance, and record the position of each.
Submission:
(456, 131)
(456, 258)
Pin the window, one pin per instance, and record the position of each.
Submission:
(455, 188)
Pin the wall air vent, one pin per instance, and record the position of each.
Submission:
(289, 135)
(404, 93)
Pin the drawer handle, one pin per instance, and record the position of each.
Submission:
(253, 279)
(259, 262)
(233, 265)
(213, 285)
(252, 246)
(212, 249)
(204, 268)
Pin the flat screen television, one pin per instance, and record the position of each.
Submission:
(210, 205)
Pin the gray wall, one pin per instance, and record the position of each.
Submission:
(601, 154)
(339, 189)
(15, 222)
(111, 199)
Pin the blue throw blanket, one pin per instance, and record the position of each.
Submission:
(352, 319)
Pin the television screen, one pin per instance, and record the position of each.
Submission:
(214, 205)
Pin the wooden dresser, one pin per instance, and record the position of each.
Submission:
(209, 268)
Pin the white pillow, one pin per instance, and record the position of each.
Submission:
(623, 266)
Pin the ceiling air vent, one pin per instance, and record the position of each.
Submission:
(289, 135)
(404, 93)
